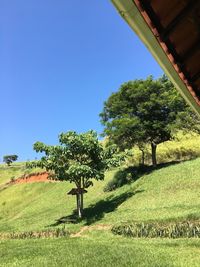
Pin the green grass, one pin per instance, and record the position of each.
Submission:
(170, 193)
(13, 171)
(6, 173)
(183, 147)
(100, 250)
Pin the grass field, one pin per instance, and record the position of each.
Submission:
(170, 193)
(100, 249)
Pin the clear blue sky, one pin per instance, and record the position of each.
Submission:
(59, 61)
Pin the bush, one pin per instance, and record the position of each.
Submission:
(120, 178)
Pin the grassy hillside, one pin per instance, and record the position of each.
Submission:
(14, 171)
(6, 173)
(167, 194)
(170, 193)
(183, 147)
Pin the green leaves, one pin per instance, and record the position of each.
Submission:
(142, 110)
(78, 158)
(145, 111)
(8, 159)
(80, 170)
(113, 157)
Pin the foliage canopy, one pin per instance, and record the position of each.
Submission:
(144, 111)
(8, 159)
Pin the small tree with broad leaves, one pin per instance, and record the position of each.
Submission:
(79, 159)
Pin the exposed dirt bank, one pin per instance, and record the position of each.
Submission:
(33, 177)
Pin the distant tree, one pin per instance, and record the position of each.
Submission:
(8, 159)
(145, 111)
(79, 159)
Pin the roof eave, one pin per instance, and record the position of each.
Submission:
(130, 13)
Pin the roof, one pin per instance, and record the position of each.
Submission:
(76, 191)
(171, 31)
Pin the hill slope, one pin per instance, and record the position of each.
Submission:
(168, 194)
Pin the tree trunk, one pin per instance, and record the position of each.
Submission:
(142, 159)
(81, 203)
(153, 154)
(79, 211)
(79, 198)
(83, 186)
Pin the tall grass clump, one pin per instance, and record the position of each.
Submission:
(59, 232)
(155, 230)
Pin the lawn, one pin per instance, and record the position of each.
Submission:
(100, 249)
(170, 193)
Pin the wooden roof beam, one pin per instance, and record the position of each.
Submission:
(156, 23)
(192, 50)
(195, 77)
(146, 6)
(183, 13)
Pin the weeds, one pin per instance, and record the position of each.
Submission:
(153, 230)
(59, 232)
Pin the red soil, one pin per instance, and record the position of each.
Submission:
(35, 177)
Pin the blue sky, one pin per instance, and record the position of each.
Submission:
(60, 60)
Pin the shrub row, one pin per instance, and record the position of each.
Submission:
(59, 232)
(153, 230)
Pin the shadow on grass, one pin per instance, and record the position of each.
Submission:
(133, 173)
(96, 211)
(148, 169)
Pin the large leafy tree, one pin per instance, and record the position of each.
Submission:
(144, 111)
(79, 159)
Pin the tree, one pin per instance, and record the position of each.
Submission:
(79, 159)
(8, 159)
(143, 111)
(188, 121)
